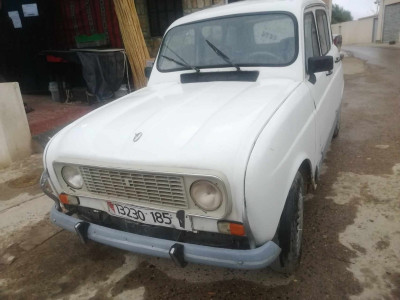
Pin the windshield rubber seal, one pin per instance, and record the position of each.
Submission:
(289, 14)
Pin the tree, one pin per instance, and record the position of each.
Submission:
(339, 14)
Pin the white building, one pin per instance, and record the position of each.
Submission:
(384, 27)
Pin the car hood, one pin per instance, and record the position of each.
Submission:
(195, 126)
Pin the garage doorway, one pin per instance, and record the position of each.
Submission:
(391, 25)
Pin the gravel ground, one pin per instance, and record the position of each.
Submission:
(351, 235)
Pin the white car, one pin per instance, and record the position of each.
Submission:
(211, 161)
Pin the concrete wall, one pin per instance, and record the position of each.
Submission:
(355, 32)
(15, 137)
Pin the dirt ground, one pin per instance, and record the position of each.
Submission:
(351, 231)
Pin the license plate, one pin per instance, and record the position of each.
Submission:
(144, 215)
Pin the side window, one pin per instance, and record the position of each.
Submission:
(310, 37)
(323, 31)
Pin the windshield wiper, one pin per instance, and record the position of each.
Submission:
(222, 55)
(183, 62)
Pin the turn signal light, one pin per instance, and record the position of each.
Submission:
(232, 228)
(68, 199)
(237, 229)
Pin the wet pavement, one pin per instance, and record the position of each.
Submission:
(351, 230)
(385, 57)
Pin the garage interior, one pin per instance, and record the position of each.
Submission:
(42, 48)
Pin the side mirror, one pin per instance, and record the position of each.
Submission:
(147, 72)
(319, 64)
(337, 40)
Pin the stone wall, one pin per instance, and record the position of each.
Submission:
(189, 6)
(141, 8)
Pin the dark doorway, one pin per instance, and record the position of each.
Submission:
(162, 13)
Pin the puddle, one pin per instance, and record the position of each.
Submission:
(26, 183)
(97, 288)
(25, 180)
(375, 233)
(353, 66)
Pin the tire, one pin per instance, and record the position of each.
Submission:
(337, 128)
(289, 233)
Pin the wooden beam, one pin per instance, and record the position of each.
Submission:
(132, 35)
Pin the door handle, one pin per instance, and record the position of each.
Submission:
(329, 73)
(338, 59)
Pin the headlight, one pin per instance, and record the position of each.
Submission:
(206, 195)
(72, 177)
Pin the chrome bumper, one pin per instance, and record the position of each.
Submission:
(238, 259)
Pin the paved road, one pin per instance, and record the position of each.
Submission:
(383, 56)
(351, 235)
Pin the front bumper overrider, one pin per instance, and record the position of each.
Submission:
(230, 258)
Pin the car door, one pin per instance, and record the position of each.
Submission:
(318, 43)
(334, 87)
(336, 82)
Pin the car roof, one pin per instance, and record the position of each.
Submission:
(296, 7)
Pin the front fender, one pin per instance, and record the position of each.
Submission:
(287, 140)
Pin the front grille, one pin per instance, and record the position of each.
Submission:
(140, 187)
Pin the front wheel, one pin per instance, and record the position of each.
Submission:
(290, 229)
(337, 127)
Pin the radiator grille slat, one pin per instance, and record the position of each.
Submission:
(145, 188)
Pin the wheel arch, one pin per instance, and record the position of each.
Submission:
(306, 170)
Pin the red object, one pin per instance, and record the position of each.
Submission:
(54, 59)
(337, 41)
(63, 198)
(78, 17)
(49, 115)
(237, 229)
(111, 206)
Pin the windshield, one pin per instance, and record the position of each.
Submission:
(249, 40)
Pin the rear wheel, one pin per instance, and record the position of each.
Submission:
(290, 229)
